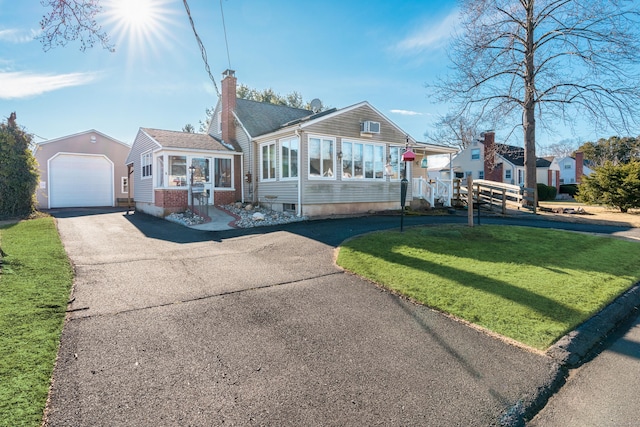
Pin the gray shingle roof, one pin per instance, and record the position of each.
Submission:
(515, 155)
(195, 141)
(259, 118)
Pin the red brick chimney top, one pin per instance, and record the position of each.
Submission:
(228, 103)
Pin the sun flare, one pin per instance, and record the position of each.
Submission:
(134, 13)
(140, 24)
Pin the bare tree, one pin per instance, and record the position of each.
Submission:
(70, 20)
(564, 148)
(455, 130)
(556, 59)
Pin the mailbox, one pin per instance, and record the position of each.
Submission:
(197, 188)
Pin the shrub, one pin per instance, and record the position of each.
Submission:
(546, 192)
(570, 189)
(612, 185)
(18, 171)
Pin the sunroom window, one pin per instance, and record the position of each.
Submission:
(321, 158)
(362, 160)
(177, 171)
(268, 161)
(222, 173)
(289, 158)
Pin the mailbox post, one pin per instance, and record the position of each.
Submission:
(407, 156)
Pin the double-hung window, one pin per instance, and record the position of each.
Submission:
(321, 158)
(268, 161)
(145, 161)
(475, 154)
(289, 158)
(362, 160)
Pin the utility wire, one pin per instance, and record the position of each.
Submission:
(226, 42)
(202, 49)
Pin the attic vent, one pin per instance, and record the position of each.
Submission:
(370, 127)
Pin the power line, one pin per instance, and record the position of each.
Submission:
(201, 46)
(224, 28)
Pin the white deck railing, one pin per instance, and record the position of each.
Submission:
(433, 191)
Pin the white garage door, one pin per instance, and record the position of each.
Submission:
(80, 181)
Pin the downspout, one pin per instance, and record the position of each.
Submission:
(242, 176)
(299, 204)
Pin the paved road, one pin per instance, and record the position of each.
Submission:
(174, 326)
(602, 392)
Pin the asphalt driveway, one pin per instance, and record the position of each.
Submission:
(173, 326)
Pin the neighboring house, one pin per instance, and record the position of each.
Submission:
(573, 169)
(86, 169)
(338, 161)
(506, 166)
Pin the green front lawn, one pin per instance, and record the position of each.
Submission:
(35, 281)
(532, 285)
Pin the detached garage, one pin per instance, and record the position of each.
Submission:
(82, 170)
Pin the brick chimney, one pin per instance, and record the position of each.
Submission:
(579, 166)
(228, 106)
(490, 171)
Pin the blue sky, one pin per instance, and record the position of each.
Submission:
(342, 52)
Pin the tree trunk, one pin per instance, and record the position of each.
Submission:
(529, 105)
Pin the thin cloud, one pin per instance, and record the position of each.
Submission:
(406, 112)
(15, 85)
(429, 36)
(13, 35)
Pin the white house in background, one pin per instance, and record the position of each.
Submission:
(506, 166)
(570, 172)
(86, 169)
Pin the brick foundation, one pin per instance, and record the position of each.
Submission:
(173, 200)
(221, 198)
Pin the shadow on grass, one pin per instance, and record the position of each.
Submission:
(543, 305)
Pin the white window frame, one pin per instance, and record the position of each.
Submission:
(124, 185)
(475, 151)
(381, 161)
(324, 175)
(397, 163)
(480, 174)
(213, 175)
(507, 174)
(275, 161)
(286, 143)
(146, 161)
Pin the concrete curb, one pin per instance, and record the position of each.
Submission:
(574, 347)
(572, 350)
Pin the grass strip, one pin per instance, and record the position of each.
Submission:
(35, 281)
(532, 285)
